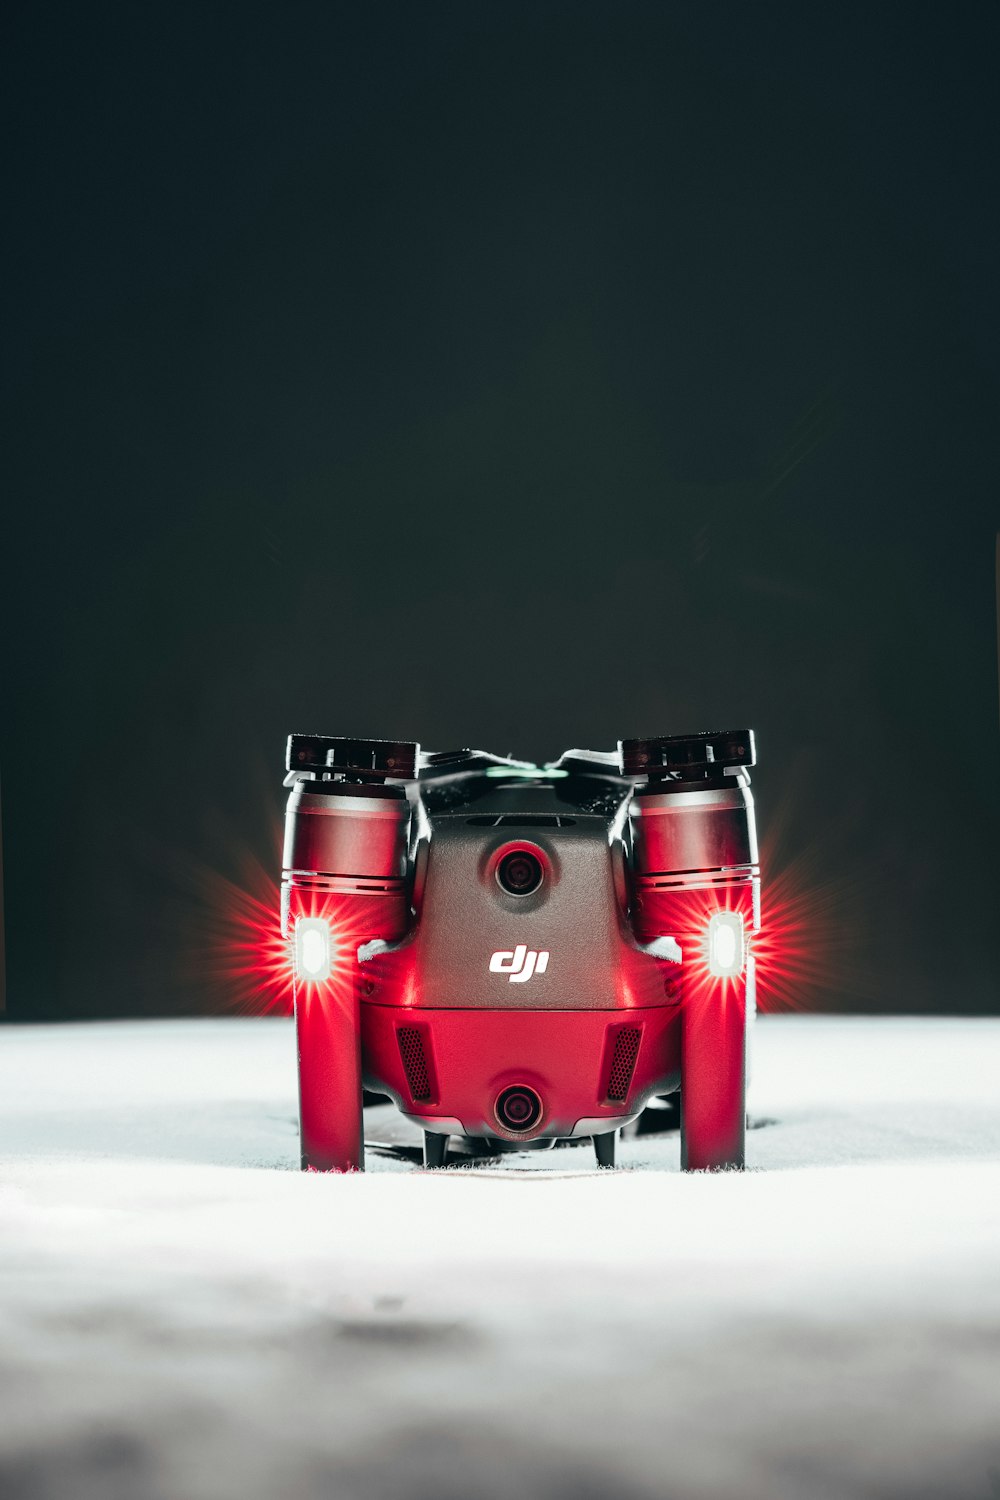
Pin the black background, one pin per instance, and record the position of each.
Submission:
(522, 375)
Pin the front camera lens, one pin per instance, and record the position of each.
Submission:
(520, 872)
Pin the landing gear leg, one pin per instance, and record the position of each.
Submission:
(604, 1147)
(713, 1080)
(435, 1149)
(330, 1115)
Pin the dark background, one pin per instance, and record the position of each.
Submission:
(521, 375)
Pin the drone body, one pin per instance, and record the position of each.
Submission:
(517, 954)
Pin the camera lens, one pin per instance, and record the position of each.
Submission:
(520, 872)
(518, 1108)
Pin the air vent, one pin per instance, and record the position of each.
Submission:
(623, 1062)
(411, 1050)
(520, 820)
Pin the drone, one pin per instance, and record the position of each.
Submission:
(519, 955)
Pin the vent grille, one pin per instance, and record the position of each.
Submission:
(520, 820)
(623, 1062)
(411, 1050)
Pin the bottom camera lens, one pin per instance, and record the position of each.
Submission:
(518, 1108)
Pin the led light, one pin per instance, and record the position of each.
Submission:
(725, 944)
(313, 948)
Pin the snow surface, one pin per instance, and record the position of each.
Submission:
(185, 1316)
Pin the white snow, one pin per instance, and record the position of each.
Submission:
(185, 1316)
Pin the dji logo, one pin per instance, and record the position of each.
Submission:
(521, 964)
